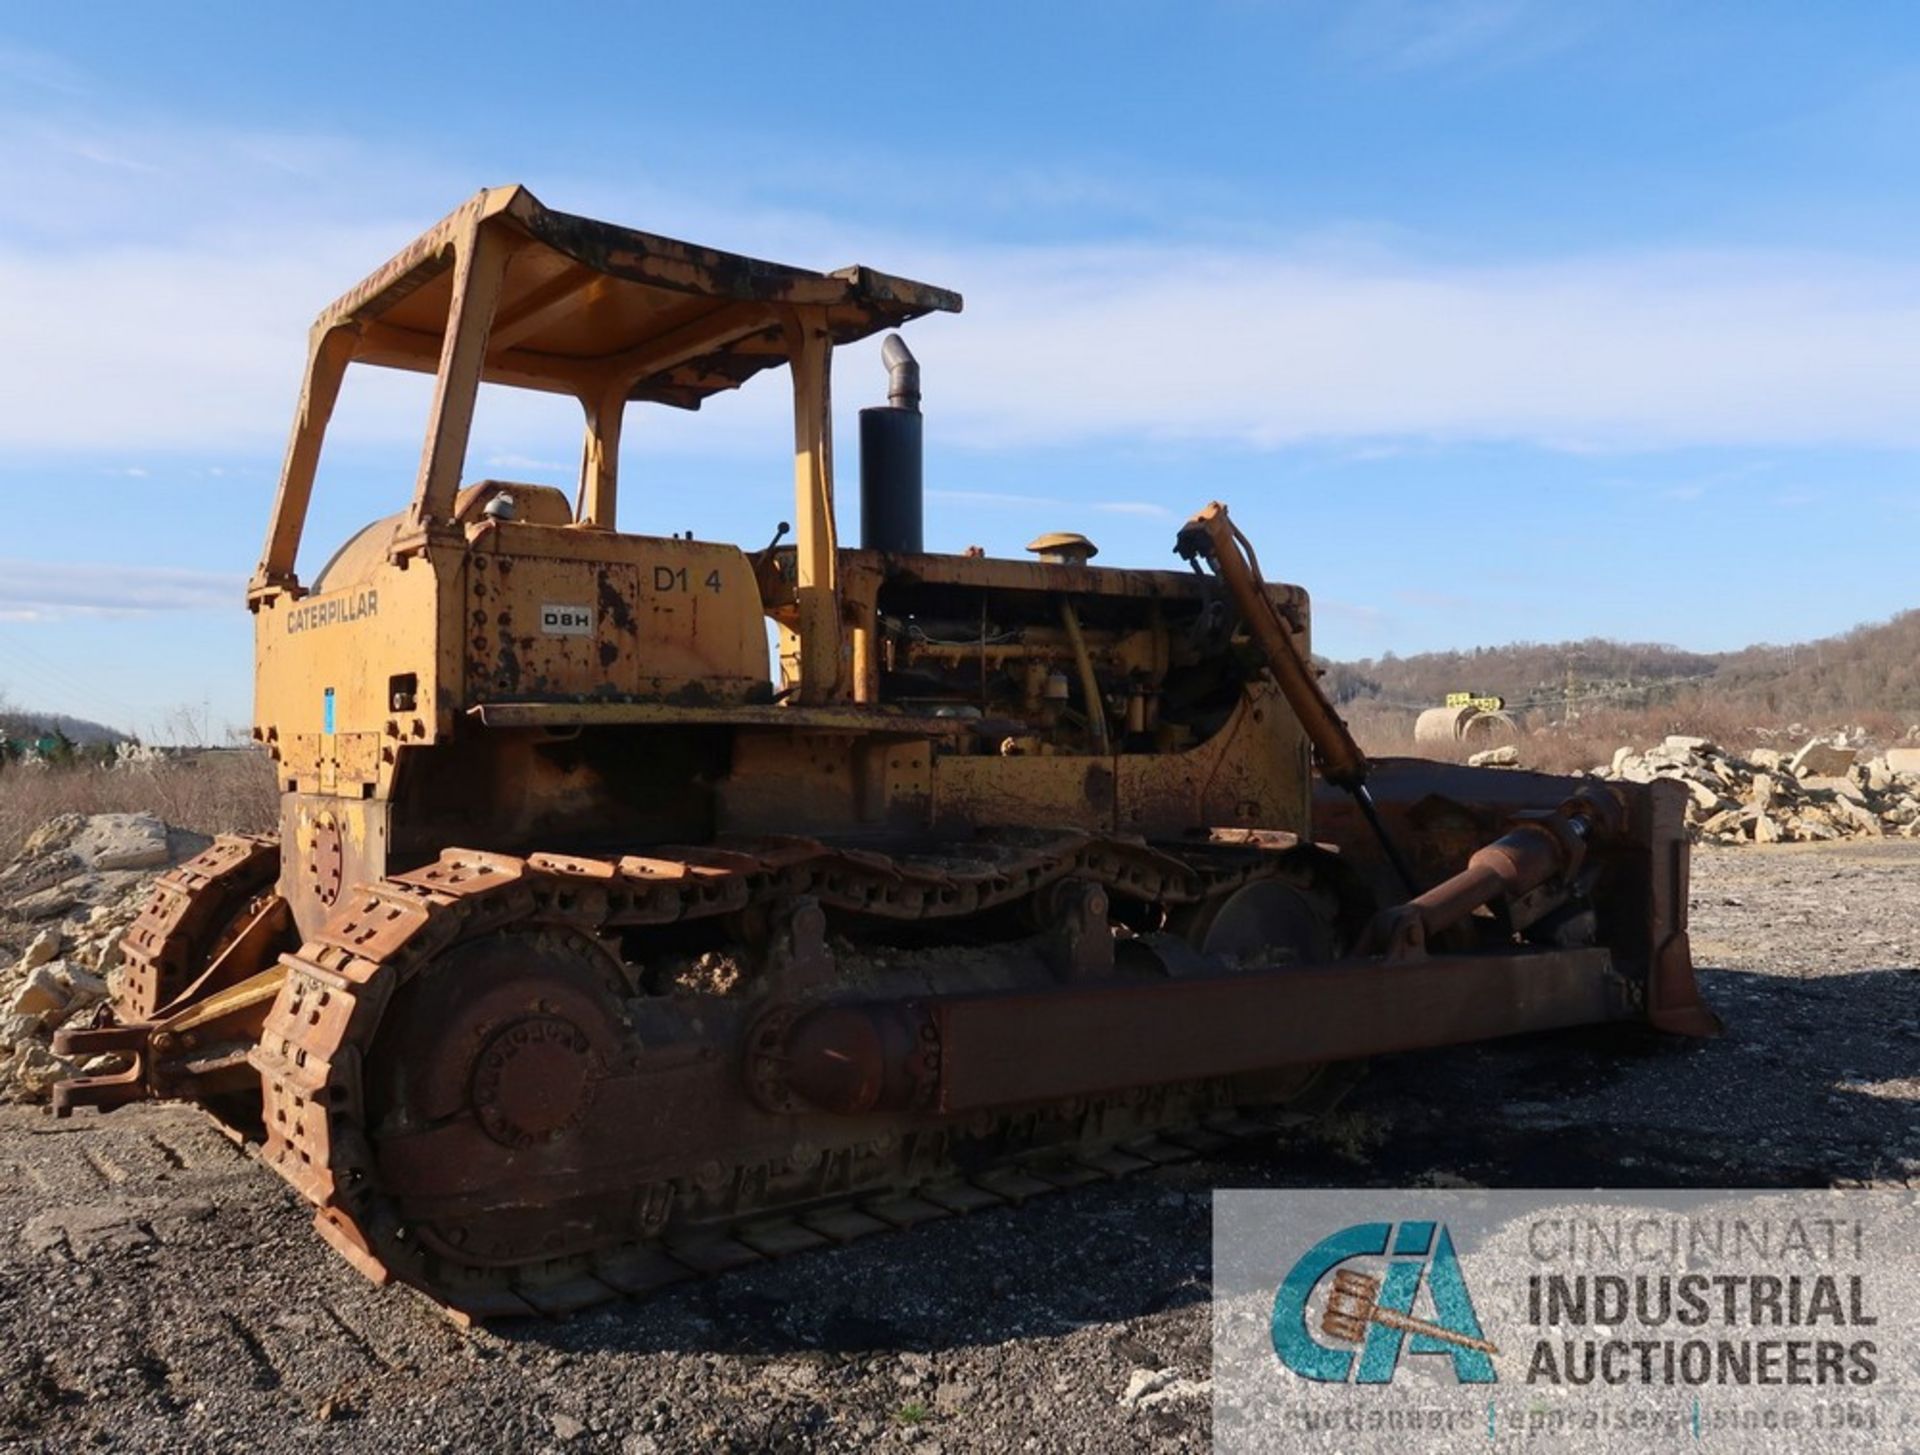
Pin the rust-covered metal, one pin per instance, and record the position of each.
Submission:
(200, 968)
(1213, 537)
(603, 946)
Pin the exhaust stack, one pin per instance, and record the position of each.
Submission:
(891, 450)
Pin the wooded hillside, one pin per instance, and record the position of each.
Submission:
(1874, 668)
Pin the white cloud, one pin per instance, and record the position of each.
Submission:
(1145, 509)
(40, 70)
(38, 590)
(998, 498)
(509, 460)
(160, 283)
(994, 499)
(1261, 349)
(1412, 35)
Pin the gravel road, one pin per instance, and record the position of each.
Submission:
(157, 1288)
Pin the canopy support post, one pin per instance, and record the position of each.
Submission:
(329, 351)
(600, 459)
(480, 266)
(816, 581)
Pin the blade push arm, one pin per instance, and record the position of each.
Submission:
(1213, 537)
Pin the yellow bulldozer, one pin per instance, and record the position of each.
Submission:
(643, 906)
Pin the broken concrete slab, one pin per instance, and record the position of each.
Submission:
(1679, 743)
(122, 841)
(1839, 787)
(1823, 759)
(45, 946)
(1705, 798)
(86, 1230)
(45, 904)
(40, 994)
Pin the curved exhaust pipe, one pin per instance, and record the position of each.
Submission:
(903, 373)
(890, 458)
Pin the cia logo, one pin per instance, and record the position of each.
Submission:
(1376, 1312)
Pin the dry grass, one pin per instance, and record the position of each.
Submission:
(1589, 740)
(209, 793)
(1387, 732)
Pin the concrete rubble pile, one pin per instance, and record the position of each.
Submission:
(1829, 789)
(79, 882)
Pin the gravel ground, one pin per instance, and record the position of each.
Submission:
(157, 1288)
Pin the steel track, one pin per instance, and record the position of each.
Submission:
(319, 1044)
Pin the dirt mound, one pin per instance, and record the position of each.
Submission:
(65, 903)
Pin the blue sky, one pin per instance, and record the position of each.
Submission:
(1491, 319)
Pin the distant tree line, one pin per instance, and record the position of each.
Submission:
(1871, 668)
(54, 748)
(1875, 666)
(24, 738)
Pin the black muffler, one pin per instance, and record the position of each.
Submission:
(891, 453)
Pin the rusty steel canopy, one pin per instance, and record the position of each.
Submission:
(586, 305)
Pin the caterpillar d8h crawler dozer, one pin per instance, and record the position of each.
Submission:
(596, 950)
